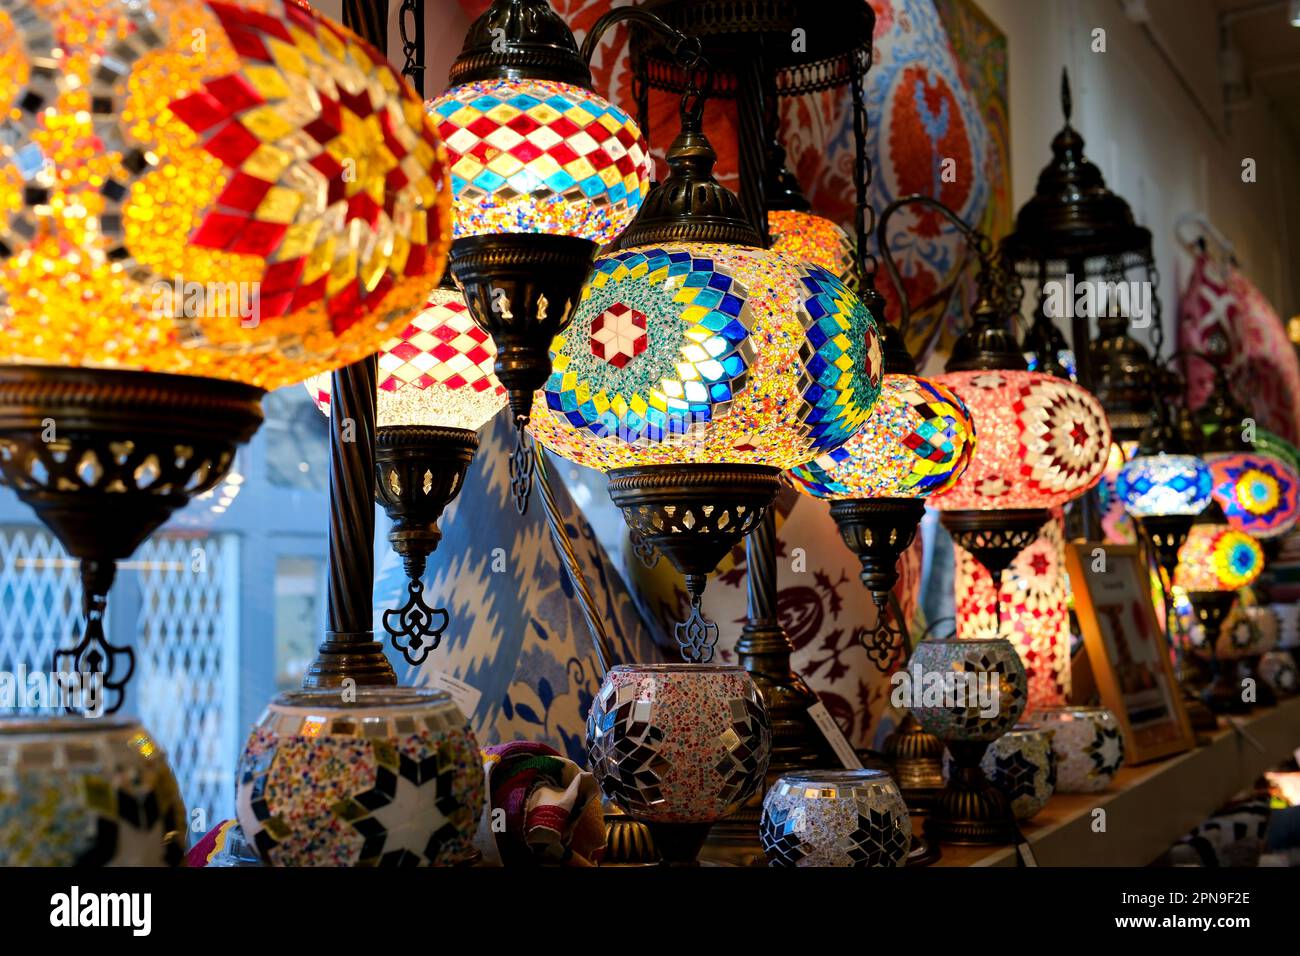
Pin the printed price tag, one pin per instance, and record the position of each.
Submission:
(465, 696)
(834, 736)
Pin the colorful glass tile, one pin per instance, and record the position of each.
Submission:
(436, 372)
(747, 357)
(1043, 441)
(1163, 484)
(541, 156)
(1216, 557)
(916, 442)
(258, 207)
(806, 235)
(1259, 494)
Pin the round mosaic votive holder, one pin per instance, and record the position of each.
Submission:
(678, 747)
(1088, 744)
(1277, 670)
(835, 818)
(1021, 765)
(79, 791)
(390, 777)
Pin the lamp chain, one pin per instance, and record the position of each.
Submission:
(410, 22)
(863, 172)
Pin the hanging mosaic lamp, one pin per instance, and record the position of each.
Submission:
(699, 366)
(916, 443)
(436, 388)
(543, 171)
(1259, 494)
(1164, 486)
(798, 231)
(1043, 441)
(1214, 563)
(204, 222)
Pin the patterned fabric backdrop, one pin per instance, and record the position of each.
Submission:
(517, 635)
(1222, 313)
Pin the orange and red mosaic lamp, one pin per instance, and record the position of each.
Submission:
(182, 225)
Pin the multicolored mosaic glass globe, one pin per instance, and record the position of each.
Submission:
(815, 238)
(258, 206)
(1216, 557)
(916, 443)
(1160, 485)
(707, 353)
(532, 155)
(436, 372)
(1042, 441)
(1259, 494)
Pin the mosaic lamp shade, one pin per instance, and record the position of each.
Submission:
(541, 156)
(815, 238)
(1043, 441)
(708, 353)
(436, 372)
(1259, 493)
(256, 208)
(916, 443)
(1217, 557)
(1161, 485)
(199, 200)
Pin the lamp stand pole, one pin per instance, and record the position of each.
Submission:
(350, 651)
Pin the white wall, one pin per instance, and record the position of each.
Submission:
(1154, 146)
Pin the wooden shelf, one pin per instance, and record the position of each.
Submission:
(1149, 807)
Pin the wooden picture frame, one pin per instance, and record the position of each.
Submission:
(1127, 648)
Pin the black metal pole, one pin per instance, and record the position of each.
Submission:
(349, 651)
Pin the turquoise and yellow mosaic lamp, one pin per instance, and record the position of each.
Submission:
(699, 366)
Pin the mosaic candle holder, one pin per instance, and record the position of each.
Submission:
(835, 818)
(392, 778)
(1277, 670)
(1088, 744)
(79, 791)
(678, 747)
(969, 809)
(1021, 765)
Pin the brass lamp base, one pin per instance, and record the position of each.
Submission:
(916, 759)
(994, 538)
(878, 531)
(104, 458)
(1167, 534)
(970, 810)
(694, 515)
(1223, 693)
(419, 470)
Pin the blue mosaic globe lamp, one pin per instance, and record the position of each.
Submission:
(1165, 485)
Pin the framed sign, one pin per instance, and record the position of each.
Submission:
(1127, 649)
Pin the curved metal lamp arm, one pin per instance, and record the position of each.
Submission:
(687, 50)
(976, 242)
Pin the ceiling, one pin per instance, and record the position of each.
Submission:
(1270, 47)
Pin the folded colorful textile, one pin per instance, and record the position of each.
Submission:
(543, 809)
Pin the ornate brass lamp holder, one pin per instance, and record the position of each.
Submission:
(104, 458)
(970, 810)
(419, 470)
(522, 289)
(1222, 694)
(1167, 534)
(995, 537)
(694, 515)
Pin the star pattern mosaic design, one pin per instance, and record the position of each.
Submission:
(1259, 494)
(618, 335)
(809, 822)
(1106, 751)
(625, 749)
(130, 825)
(541, 156)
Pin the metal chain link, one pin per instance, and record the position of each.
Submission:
(410, 23)
(863, 173)
(1157, 323)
